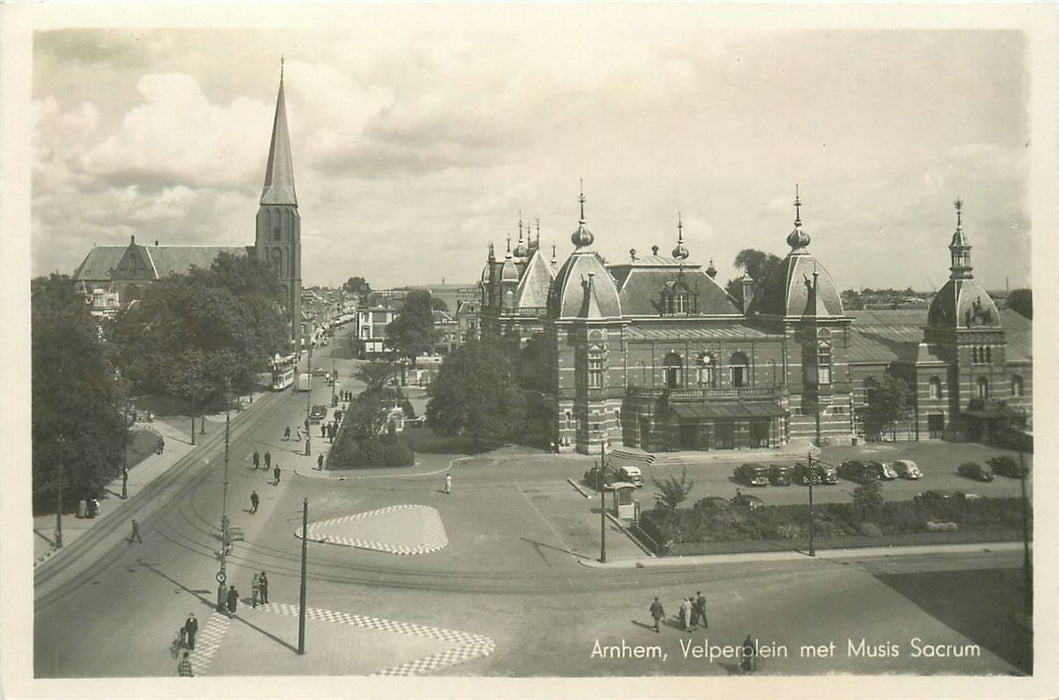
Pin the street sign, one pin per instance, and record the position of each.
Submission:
(221, 577)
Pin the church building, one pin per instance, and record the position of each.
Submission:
(128, 270)
(652, 352)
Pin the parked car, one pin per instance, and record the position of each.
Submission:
(886, 471)
(822, 473)
(779, 475)
(906, 469)
(939, 495)
(976, 471)
(598, 478)
(752, 474)
(317, 413)
(712, 503)
(631, 474)
(1005, 465)
(858, 471)
(743, 500)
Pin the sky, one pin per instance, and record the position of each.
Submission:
(420, 133)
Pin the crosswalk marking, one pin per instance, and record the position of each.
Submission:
(467, 645)
(434, 536)
(207, 642)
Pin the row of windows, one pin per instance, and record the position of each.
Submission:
(982, 387)
(981, 354)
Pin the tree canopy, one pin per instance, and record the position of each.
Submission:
(887, 401)
(1021, 300)
(358, 286)
(192, 333)
(671, 490)
(374, 374)
(75, 413)
(412, 331)
(757, 263)
(475, 394)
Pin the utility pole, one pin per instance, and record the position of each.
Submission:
(812, 478)
(309, 400)
(225, 535)
(301, 595)
(125, 453)
(601, 481)
(59, 504)
(1027, 565)
(334, 379)
(192, 416)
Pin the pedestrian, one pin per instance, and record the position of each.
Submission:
(286, 434)
(135, 533)
(657, 612)
(275, 476)
(685, 614)
(320, 461)
(264, 587)
(233, 600)
(184, 667)
(191, 628)
(257, 460)
(748, 655)
(256, 588)
(299, 434)
(159, 448)
(323, 430)
(700, 603)
(254, 500)
(268, 460)
(448, 483)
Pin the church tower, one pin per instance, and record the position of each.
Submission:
(278, 230)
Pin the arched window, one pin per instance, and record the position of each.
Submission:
(740, 369)
(276, 228)
(983, 388)
(974, 355)
(672, 369)
(277, 262)
(988, 354)
(707, 370)
(823, 361)
(935, 388)
(1016, 385)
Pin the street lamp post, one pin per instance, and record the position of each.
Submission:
(301, 594)
(59, 504)
(1027, 565)
(334, 380)
(601, 481)
(125, 453)
(225, 534)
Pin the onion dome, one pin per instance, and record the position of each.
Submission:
(962, 302)
(520, 249)
(509, 272)
(797, 239)
(680, 252)
(711, 270)
(582, 237)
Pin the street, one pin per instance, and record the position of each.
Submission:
(526, 603)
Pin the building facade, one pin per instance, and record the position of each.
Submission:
(652, 352)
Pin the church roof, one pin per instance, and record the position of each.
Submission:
(532, 291)
(102, 261)
(279, 172)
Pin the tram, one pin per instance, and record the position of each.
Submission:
(283, 369)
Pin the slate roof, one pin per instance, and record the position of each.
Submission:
(640, 283)
(785, 292)
(279, 171)
(960, 300)
(567, 298)
(727, 331)
(532, 291)
(167, 260)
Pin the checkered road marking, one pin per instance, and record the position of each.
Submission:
(468, 646)
(207, 641)
(434, 537)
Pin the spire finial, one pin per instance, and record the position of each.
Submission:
(281, 68)
(680, 252)
(554, 258)
(509, 243)
(581, 199)
(538, 232)
(797, 207)
(520, 225)
(797, 239)
(680, 229)
(959, 207)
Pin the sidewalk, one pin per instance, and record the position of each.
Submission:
(177, 446)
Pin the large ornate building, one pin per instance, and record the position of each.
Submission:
(129, 270)
(653, 352)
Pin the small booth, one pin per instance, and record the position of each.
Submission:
(623, 504)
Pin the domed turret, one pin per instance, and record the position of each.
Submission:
(583, 287)
(582, 237)
(797, 239)
(520, 249)
(962, 303)
(509, 271)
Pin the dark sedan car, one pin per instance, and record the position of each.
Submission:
(743, 500)
(976, 471)
(858, 471)
(1004, 465)
(779, 475)
(597, 478)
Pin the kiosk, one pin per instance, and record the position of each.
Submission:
(623, 504)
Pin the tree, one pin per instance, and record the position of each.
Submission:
(75, 414)
(475, 394)
(412, 332)
(887, 402)
(1021, 300)
(439, 304)
(357, 286)
(868, 499)
(757, 263)
(672, 491)
(374, 374)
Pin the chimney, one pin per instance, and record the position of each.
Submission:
(654, 250)
(632, 253)
(746, 291)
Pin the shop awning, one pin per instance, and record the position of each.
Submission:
(726, 410)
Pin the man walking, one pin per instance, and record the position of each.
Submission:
(191, 628)
(657, 612)
(275, 476)
(268, 460)
(135, 533)
(685, 614)
(748, 654)
(448, 483)
(320, 461)
(700, 604)
(253, 501)
(184, 667)
(263, 583)
(256, 589)
(257, 460)
(233, 600)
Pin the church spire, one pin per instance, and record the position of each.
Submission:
(279, 172)
(960, 247)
